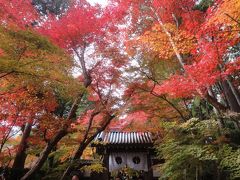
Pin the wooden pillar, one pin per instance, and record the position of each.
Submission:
(105, 174)
(106, 165)
(149, 174)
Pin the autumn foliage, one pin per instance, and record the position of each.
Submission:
(132, 65)
(16, 13)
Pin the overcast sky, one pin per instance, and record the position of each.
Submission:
(102, 2)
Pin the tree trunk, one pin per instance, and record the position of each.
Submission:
(76, 156)
(83, 146)
(63, 132)
(196, 173)
(234, 90)
(215, 103)
(53, 142)
(87, 77)
(231, 98)
(44, 154)
(21, 155)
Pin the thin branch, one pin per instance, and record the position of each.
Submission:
(90, 124)
(238, 22)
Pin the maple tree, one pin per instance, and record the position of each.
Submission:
(23, 111)
(20, 14)
(30, 77)
(76, 37)
(200, 43)
(188, 41)
(172, 59)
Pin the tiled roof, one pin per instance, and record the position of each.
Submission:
(111, 138)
